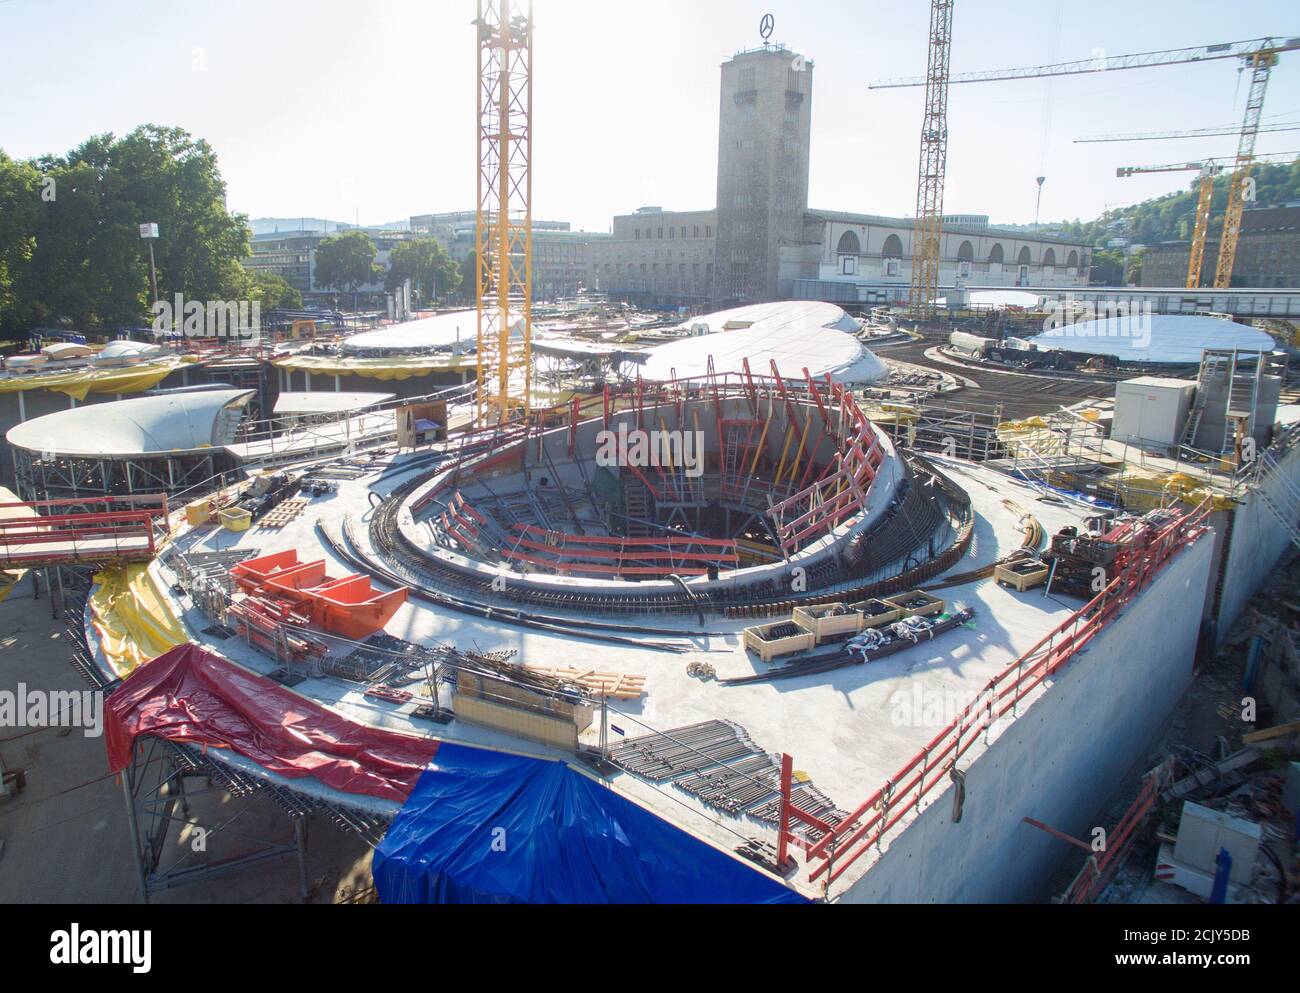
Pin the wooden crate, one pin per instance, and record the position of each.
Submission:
(823, 623)
(924, 604)
(770, 642)
(877, 613)
(1025, 575)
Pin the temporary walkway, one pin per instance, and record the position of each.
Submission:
(91, 531)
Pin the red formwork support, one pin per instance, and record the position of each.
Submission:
(1101, 867)
(680, 555)
(349, 606)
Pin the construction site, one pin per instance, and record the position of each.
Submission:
(893, 594)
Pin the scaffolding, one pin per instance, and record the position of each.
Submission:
(504, 238)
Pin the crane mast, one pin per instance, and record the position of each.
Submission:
(504, 228)
(1261, 65)
(927, 237)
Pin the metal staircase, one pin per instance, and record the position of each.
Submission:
(1285, 503)
(1243, 395)
(636, 499)
(1213, 363)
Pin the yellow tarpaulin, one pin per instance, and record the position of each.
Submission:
(8, 580)
(386, 370)
(83, 382)
(134, 621)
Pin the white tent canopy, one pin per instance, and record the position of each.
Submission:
(329, 403)
(816, 336)
(153, 425)
(442, 331)
(1168, 339)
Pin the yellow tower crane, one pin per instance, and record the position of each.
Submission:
(1210, 170)
(504, 240)
(1241, 188)
(1260, 54)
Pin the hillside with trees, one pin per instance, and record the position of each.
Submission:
(1172, 217)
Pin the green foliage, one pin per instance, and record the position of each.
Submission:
(346, 262)
(430, 269)
(85, 263)
(20, 186)
(1172, 217)
(469, 279)
(273, 292)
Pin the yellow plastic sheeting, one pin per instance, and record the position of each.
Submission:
(386, 370)
(892, 413)
(9, 579)
(1022, 427)
(83, 382)
(134, 622)
(1149, 491)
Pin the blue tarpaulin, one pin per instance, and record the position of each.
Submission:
(481, 827)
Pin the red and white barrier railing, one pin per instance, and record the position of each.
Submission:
(1148, 546)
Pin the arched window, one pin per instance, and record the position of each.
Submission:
(1024, 257)
(966, 253)
(1050, 258)
(849, 244)
(1073, 261)
(893, 247)
(996, 256)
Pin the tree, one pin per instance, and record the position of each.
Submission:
(1173, 217)
(20, 202)
(430, 269)
(469, 279)
(273, 292)
(1133, 272)
(88, 266)
(346, 262)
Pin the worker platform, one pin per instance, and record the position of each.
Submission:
(94, 531)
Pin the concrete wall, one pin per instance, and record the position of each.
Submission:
(1059, 763)
(1258, 543)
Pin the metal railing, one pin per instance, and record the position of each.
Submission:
(70, 532)
(929, 771)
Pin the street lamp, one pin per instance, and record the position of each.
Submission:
(149, 233)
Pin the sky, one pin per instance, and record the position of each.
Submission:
(363, 110)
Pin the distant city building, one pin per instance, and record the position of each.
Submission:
(1268, 254)
(658, 258)
(867, 260)
(764, 150)
(762, 242)
(563, 261)
(292, 255)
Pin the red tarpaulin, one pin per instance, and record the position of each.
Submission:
(192, 696)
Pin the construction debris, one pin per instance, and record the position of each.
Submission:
(612, 685)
